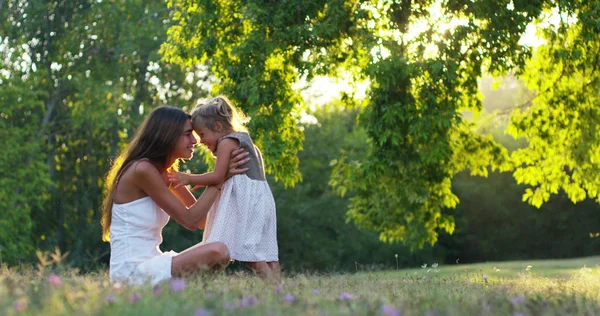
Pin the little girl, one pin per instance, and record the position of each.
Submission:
(243, 216)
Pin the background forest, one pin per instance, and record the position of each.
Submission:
(467, 145)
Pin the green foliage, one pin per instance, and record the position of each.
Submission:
(493, 224)
(256, 52)
(78, 76)
(422, 75)
(312, 218)
(93, 74)
(25, 176)
(561, 124)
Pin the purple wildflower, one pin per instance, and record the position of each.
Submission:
(135, 297)
(54, 280)
(518, 299)
(518, 314)
(278, 289)
(248, 301)
(345, 296)
(485, 278)
(110, 299)
(178, 285)
(316, 292)
(156, 291)
(202, 312)
(228, 306)
(289, 298)
(20, 305)
(389, 310)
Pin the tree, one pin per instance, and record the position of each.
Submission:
(256, 52)
(423, 73)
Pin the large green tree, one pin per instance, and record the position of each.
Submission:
(423, 59)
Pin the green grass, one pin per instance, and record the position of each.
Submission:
(548, 287)
(558, 268)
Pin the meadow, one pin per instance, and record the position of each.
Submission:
(544, 287)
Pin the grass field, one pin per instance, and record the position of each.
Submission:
(544, 287)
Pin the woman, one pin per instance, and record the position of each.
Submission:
(140, 200)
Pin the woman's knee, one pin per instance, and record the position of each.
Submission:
(219, 251)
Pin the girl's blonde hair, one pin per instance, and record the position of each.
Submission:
(219, 109)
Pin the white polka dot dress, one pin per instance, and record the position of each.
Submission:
(243, 216)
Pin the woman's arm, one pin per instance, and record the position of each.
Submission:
(237, 158)
(188, 199)
(149, 180)
(184, 195)
(224, 153)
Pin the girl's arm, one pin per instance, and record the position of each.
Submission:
(226, 147)
(148, 179)
(238, 158)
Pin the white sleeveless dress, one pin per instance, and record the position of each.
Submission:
(243, 216)
(135, 237)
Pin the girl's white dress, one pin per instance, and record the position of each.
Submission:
(135, 237)
(243, 216)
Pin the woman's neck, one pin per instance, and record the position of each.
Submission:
(163, 168)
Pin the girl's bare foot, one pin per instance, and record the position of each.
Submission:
(261, 268)
(275, 271)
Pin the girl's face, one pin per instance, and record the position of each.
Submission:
(185, 144)
(208, 137)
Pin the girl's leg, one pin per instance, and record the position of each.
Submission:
(275, 269)
(200, 257)
(261, 268)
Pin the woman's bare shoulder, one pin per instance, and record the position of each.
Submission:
(144, 166)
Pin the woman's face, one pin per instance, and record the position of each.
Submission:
(185, 144)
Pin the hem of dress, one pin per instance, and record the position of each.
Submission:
(235, 257)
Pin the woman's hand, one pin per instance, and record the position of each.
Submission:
(238, 158)
(179, 178)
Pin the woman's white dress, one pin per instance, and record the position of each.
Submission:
(135, 237)
(243, 216)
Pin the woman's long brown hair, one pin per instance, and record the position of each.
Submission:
(154, 140)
